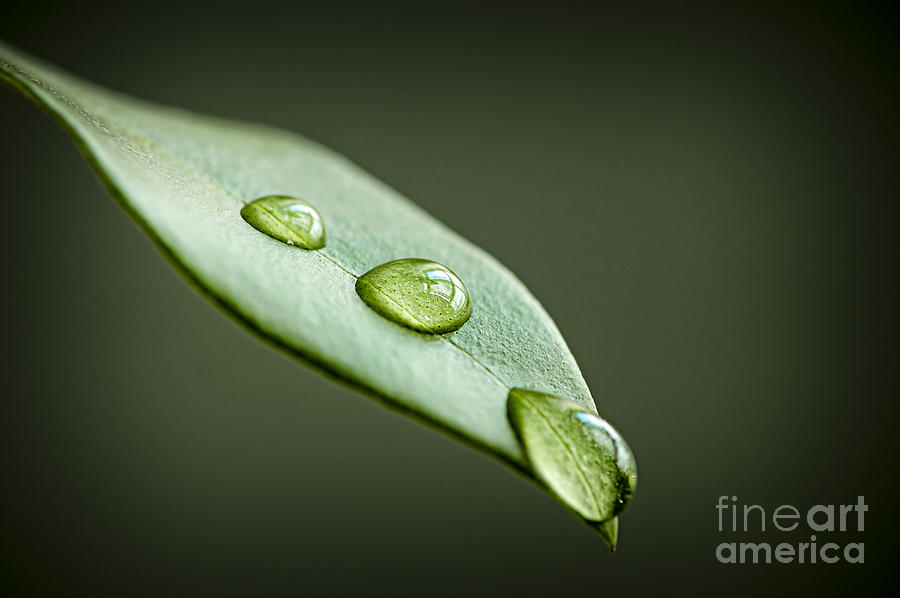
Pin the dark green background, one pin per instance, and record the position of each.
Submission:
(699, 197)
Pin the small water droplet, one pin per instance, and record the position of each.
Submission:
(579, 455)
(288, 219)
(414, 291)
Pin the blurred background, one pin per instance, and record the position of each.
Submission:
(701, 198)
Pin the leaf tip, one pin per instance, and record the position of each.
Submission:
(609, 531)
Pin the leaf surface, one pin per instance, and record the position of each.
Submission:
(185, 177)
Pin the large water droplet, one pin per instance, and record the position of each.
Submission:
(288, 219)
(416, 293)
(580, 456)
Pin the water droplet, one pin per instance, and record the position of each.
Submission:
(416, 293)
(288, 219)
(577, 454)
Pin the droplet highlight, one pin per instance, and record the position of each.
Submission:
(577, 454)
(288, 219)
(420, 294)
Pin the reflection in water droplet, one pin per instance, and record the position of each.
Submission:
(416, 293)
(579, 455)
(287, 219)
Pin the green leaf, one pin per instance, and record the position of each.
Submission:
(185, 178)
